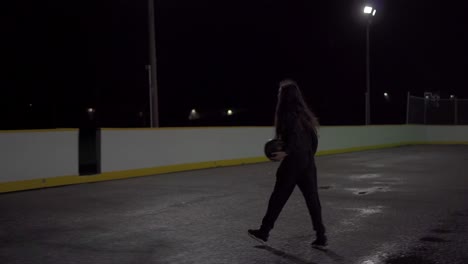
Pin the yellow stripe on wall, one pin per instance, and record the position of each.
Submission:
(117, 175)
(439, 143)
(355, 149)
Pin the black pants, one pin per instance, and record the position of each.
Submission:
(291, 173)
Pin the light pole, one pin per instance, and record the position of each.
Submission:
(153, 80)
(369, 12)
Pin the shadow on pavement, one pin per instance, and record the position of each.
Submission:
(335, 257)
(285, 255)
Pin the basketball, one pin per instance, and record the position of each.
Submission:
(273, 145)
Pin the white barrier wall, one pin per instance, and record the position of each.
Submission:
(26, 155)
(447, 133)
(133, 149)
(343, 137)
(415, 133)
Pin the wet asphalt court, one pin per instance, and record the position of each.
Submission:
(399, 205)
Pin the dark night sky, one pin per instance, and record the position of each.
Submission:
(66, 56)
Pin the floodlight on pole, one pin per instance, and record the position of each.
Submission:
(368, 9)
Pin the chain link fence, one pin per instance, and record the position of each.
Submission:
(433, 110)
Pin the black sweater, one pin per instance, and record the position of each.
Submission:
(300, 143)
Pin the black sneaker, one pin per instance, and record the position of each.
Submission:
(320, 243)
(258, 235)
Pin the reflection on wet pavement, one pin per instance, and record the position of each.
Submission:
(365, 176)
(370, 190)
(354, 222)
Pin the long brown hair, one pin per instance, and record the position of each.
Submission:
(292, 110)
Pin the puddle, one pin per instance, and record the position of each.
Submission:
(365, 176)
(354, 222)
(362, 212)
(380, 254)
(433, 239)
(441, 231)
(386, 183)
(370, 210)
(364, 191)
(408, 259)
(375, 165)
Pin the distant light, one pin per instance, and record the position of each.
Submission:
(427, 96)
(229, 112)
(30, 105)
(385, 94)
(91, 110)
(368, 9)
(452, 96)
(194, 115)
(373, 13)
